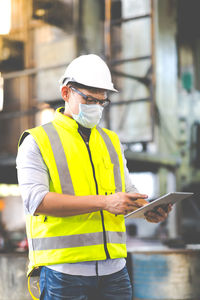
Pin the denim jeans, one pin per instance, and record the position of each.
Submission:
(55, 285)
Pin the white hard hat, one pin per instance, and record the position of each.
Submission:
(88, 70)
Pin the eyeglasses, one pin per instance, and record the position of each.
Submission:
(90, 99)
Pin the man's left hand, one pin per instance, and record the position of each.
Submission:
(158, 214)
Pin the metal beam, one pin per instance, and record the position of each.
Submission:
(143, 80)
(123, 20)
(150, 162)
(126, 60)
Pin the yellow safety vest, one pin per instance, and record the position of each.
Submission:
(76, 168)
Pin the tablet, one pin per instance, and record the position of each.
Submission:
(166, 199)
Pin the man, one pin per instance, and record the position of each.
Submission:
(76, 190)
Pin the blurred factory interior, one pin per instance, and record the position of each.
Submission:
(153, 50)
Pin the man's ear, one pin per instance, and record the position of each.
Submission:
(65, 93)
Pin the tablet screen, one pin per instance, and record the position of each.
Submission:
(163, 200)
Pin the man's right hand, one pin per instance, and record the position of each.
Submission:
(61, 205)
(124, 203)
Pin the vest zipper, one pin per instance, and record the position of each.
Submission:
(97, 192)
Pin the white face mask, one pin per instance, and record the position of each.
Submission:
(89, 115)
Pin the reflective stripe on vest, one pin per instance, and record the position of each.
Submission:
(78, 240)
(60, 158)
(114, 159)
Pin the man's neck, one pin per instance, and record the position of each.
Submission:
(84, 132)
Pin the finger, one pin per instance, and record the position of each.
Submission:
(160, 211)
(169, 208)
(137, 196)
(135, 204)
(152, 219)
(166, 207)
(127, 211)
(155, 215)
(152, 214)
(130, 209)
(138, 203)
(141, 202)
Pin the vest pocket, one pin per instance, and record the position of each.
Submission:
(106, 175)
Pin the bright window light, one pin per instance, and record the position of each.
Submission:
(145, 183)
(9, 190)
(47, 116)
(5, 16)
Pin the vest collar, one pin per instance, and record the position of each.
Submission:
(65, 121)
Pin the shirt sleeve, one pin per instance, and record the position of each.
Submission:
(129, 186)
(32, 173)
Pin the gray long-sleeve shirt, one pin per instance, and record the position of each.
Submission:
(33, 178)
